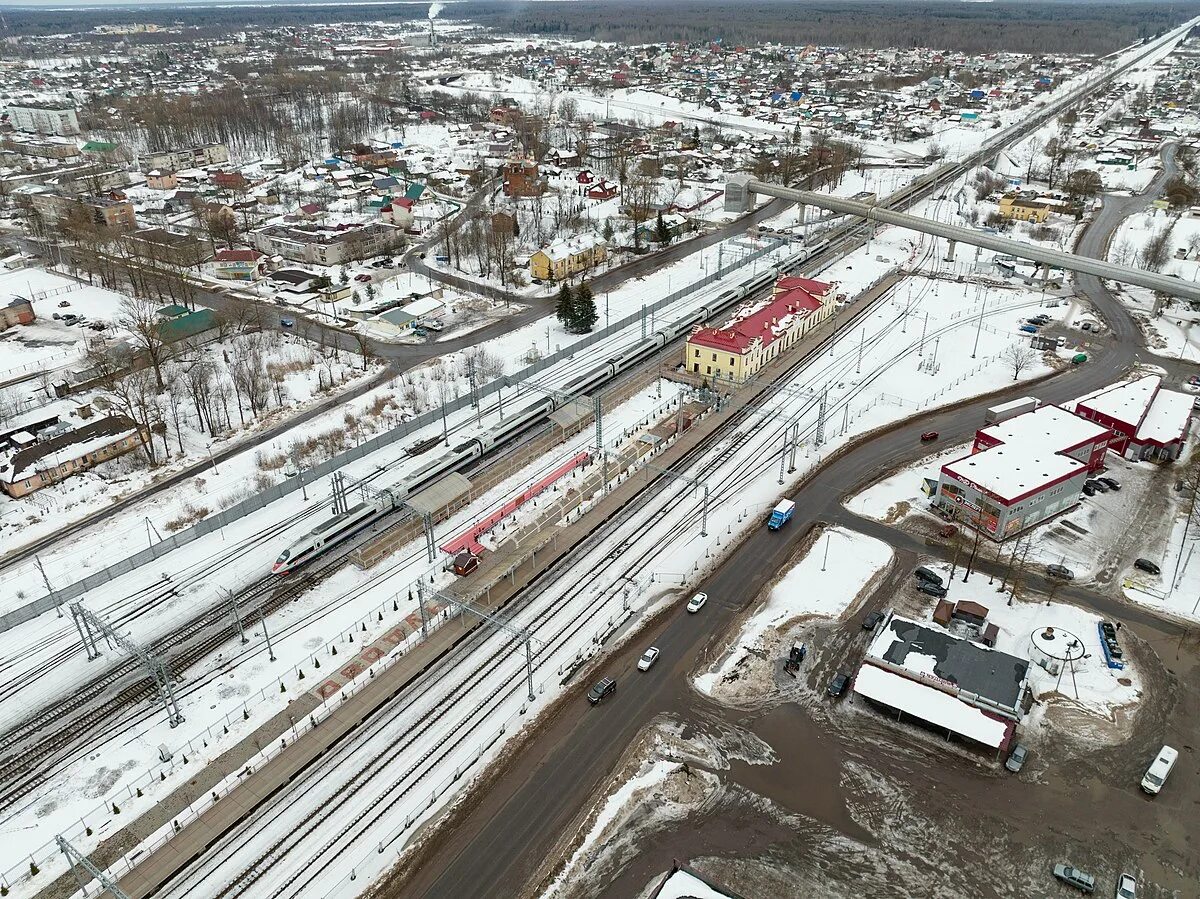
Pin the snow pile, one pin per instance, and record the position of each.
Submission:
(824, 582)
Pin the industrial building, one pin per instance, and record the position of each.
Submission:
(759, 330)
(951, 684)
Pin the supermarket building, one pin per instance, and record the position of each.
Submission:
(1022, 471)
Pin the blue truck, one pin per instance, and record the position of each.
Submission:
(781, 514)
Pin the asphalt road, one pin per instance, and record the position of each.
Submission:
(516, 823)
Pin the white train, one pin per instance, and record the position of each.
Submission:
(340, 527)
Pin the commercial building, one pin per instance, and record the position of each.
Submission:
(1022, 471)
(759, 330)
(567, 257)
(1147, 422)
(189, 158)
(62, 450)
(1032, 207)
(44, 118)
(951, 684)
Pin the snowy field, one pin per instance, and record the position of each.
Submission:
(824, 582)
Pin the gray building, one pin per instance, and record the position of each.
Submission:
(44, 118)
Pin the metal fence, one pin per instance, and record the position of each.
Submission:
(383, 440)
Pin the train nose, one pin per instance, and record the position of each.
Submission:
(278, 568)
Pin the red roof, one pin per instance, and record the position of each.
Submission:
(238, 256)
(764, 320)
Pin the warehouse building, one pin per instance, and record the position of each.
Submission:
(952, 685)
(759, 330)
(1147, 422)
(1022, 471)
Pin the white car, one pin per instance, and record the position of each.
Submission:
(697, 602)
(649, 657)
(1126, 887)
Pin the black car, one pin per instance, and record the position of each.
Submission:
(1147, 566)
(1096, 485)
(872, 621)
(602, 689)
(1089, 490)
(1111, 483)
(929, 588)
(926, 574)
(838, 685)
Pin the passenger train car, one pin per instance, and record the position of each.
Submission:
(341, 527)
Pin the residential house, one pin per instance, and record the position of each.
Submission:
(161, 180)
(240, 265)
(1030, 206)
(67, 450)
(567, 257)
(521, 178)
(326, 245)
(19, 311)
(108, 212)
(44, 118)
(192, 157)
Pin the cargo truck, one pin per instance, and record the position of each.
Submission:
(1011, 409)
(781, 514)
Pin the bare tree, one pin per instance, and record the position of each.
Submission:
(1019, 356)
(131, 393)
(143, 322)
(364, 348)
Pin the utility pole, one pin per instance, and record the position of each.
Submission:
(236, 617)
(862, 336)
(924, 328)
(978, 327)
(262, 619)
(78, 860)
(819, 438)
(598, 414)
(86, 620)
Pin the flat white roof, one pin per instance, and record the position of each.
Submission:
(423, 306)
(1045, 428)
(1010, 471)
(1127, 402)
(1167, 418)
(929, 704)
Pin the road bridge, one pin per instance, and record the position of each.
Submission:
(741, 186)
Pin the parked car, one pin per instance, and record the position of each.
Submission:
(1060, 342)
(929, 588)
(929, 436)
(1060, 571)
(1126, 887)
(838, 685)
(1111, 483)
(434, 324)
(948, 530)
(600, 690)
(1017, 759)
(649, 657)
(63, 304)
(1147, 566)
(872, 621)
(1076, 878)
(927, 574)
(1096, 485)
(1089, 490)
(1029, 329)
(697, 602)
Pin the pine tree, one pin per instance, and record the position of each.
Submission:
(564, 309)
(584, 313)
(608, 231)
(661, 233)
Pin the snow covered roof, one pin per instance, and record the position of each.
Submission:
(927, 652)
(930, 704)
(763, 319)
(1012, 472)
(1046, 426)
(1126, 403)
(1167, 418)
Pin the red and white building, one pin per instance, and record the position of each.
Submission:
(1022, 471)
(1148, 423)
(759, 330)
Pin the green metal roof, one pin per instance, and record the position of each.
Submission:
(100, 146)
(414, 191)
(187, 325)
(173, 311)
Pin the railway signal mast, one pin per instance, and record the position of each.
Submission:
(78, 860)
(89, 624)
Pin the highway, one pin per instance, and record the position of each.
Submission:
(502, 836)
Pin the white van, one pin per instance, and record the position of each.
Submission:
(1156, 774)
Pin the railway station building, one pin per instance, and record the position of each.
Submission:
(759, 330)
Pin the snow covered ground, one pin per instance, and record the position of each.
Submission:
(824, 582)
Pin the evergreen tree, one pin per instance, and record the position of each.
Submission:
(608, 231)
(661, 233)
(584, 313)
(564, 309)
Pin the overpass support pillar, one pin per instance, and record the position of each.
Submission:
(950, 250)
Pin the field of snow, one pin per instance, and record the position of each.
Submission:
(822, 583)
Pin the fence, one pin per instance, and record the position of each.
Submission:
(257, 501)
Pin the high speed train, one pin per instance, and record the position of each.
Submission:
(340, 527)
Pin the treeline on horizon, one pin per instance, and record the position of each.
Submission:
(1016, 25)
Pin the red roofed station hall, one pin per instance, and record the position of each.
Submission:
(759, 330)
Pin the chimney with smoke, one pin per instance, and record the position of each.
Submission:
(434, 9)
